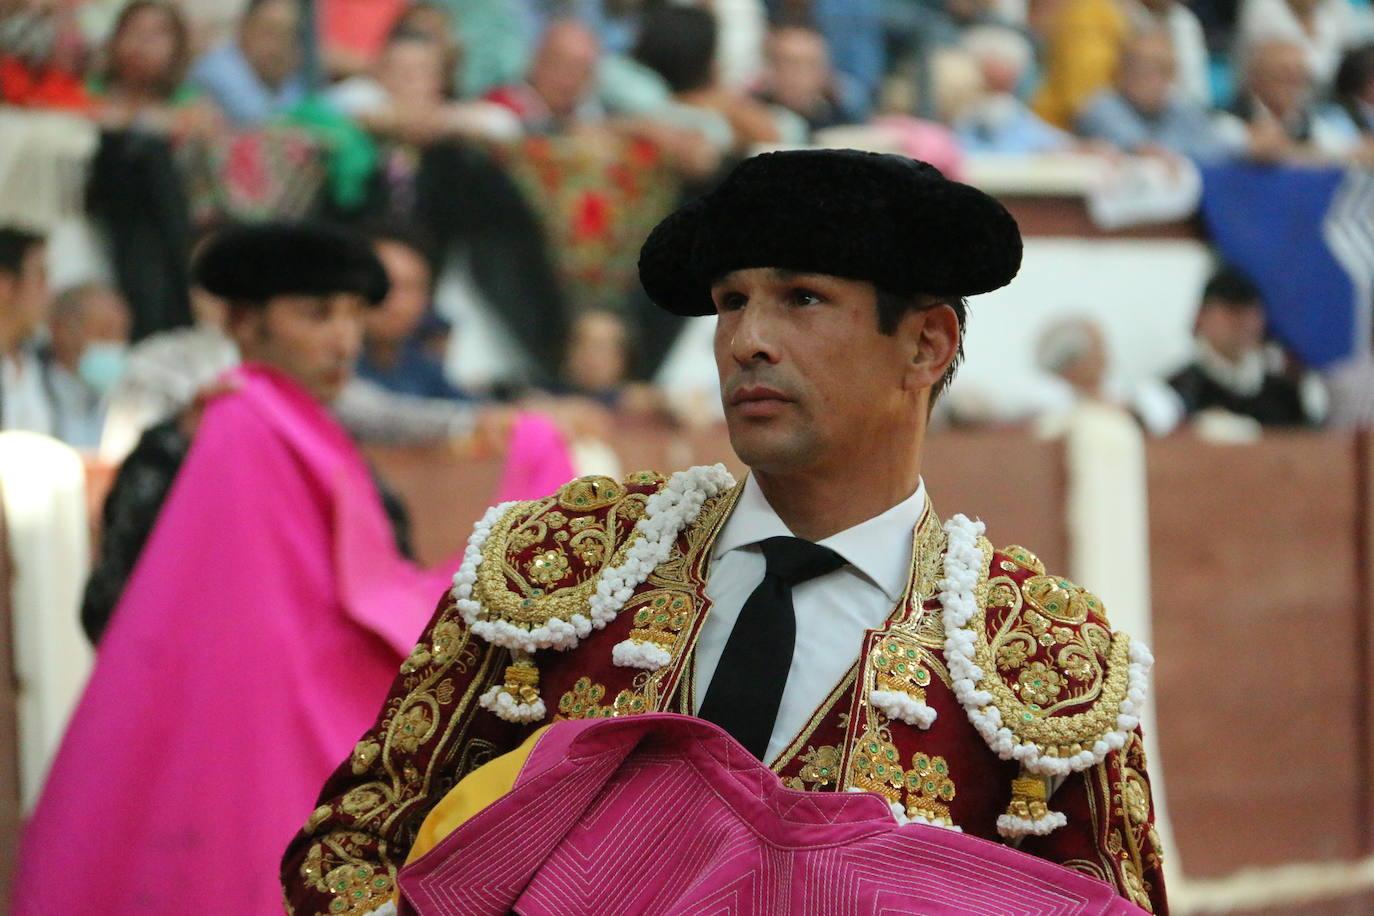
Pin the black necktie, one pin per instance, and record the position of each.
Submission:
(747, 687)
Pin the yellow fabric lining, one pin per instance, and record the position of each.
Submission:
(474, 792)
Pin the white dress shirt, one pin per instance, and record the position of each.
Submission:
(26, 403)
(833, 610)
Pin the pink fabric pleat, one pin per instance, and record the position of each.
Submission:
(664, 814)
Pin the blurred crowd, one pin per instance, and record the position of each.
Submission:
(508, 157)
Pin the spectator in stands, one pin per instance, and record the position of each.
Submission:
(89, 332)
(141, 83)
(1084, 44)
(392, 356)
(598, 362)
(1354, 89)
(1275, 116)
(679, 44)
(434, 21)
(26, 400)
(257, 74)
(1231, 371)
(998, 121)
(1143, 115)
(798, 77)
(407, 97)
(38, 60)
(1322, 29)
(557, 94)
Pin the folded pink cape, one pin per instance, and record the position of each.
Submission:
(668, 814)
(253, 645)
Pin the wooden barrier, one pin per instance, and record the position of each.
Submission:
(1261, 597)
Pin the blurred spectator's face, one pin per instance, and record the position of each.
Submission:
(804, 372)
(313, 339)
(1147, 73)
(270, 40)
(1278, 77)
(798, 68)
(1087, 371)
(404, 307)
(1231, 329)
(24, 295)
(92, 342)
(597, 352)
(413, 71)
(146, 47)
(565, 66)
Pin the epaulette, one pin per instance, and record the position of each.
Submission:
(546, 573)
(1037, 668)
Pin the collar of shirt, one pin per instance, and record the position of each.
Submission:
(879, 548)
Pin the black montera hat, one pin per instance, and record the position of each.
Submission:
(892, 221)
(252, 263)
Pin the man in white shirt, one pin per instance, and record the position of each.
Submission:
(26, 400)
(819, 611)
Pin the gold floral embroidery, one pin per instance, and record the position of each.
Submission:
(412, 728)
(898, 667)
(583, 701)
(362, 800)
(1039, 685)
(1012, 655)
(875, 765)
(417, 659)
(358, 889)
(448, 640)
(364, 755)
(929, 789)
(548, 567)
(820, 767)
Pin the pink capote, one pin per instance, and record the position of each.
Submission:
(665, 814)
(254, 642)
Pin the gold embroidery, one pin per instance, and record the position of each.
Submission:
(415, 726)
(1059, 599)
(876, 765)
(358, 889)
(662, 616)
(820, 767)
(364, 755)
(898, 667)
(588, 493)
(1032, 686)
(929, 789)
(548, 567)
(583, 701)
(546, 587)
(1024, 558)
(1029, 795)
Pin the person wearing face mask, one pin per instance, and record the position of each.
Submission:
(89, 342)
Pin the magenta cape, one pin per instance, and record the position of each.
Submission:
(664, 814)
(259, 632)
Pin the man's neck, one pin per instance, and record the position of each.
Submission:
(11, 340)
(816, 505)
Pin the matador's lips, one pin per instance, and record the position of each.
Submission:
(759, 401)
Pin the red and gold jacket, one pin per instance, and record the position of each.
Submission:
(996, 699)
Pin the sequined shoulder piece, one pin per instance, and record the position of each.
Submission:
(1038, 668)
(1065, 690)
(542, 559)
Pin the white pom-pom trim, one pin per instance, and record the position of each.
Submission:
(666, 513)
(896, 704)
(1015, 827)
(386, 909)
(500, 702)
(964, 563)
(633, 653)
